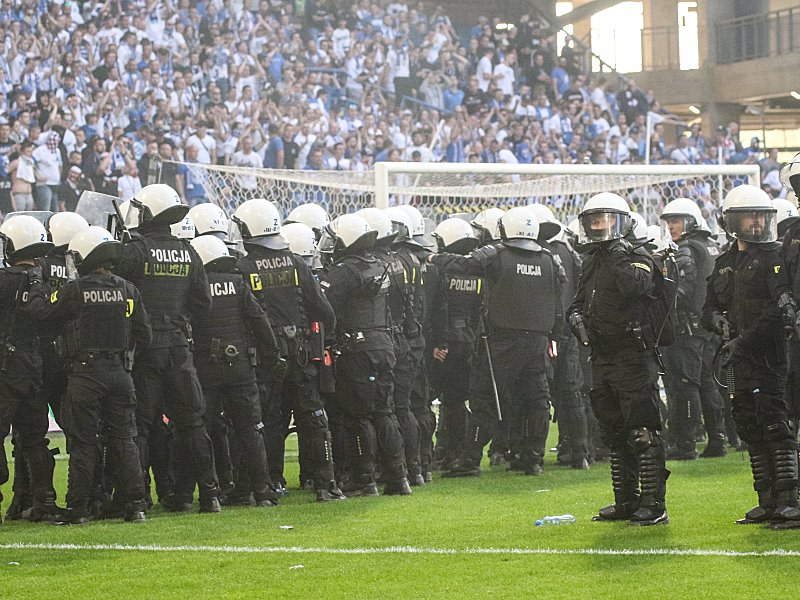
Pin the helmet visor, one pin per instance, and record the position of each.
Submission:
(602, 226)
(755, 226)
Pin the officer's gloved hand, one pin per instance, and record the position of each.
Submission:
(718, 322)
(34, 274)
(732, 351)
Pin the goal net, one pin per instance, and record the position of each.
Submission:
(440, 190)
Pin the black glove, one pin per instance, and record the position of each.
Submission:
(35, 276)
(732, 351)
(718, 321)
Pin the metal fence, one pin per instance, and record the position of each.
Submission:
(757, 36)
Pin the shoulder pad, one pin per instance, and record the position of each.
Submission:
(487, 251)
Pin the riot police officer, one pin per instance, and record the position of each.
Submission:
(357, 286)
(403, 323)
(61, 227)
(742, 305)
(299, 314)
(570, 402)
(613, 307)
(311, 215)
(512, 361)
(454, 333)
(227, 341)
(103, 318)
(170, 276)
(21, 404)
(689, 361)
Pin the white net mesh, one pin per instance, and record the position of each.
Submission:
(439, 193)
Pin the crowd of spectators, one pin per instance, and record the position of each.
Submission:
(104, 95)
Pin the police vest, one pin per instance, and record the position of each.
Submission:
(704, 253)
(17, 325)
(463, 297)
(524, 297)
(165, 279)
(102, 325)
(368, 308)
(55, 271)
(399, 297)
(275, 280)
(414, 318)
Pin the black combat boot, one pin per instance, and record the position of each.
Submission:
(399, 487)
(787, 510)
(715, 447)
(45, 508)
(625, 485)
(761, 466)
(652, 478)
(135, 512)
(73, 516)
(21, 506)
(265, 498)
(330, 492)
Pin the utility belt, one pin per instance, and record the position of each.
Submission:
(9, 347)
(502, 331)
(351, 339)
(230, 354)
(633, 338)
(301, 342)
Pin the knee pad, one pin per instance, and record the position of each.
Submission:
(779, 435)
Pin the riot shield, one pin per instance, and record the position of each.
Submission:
(40, 215)
(98, 209)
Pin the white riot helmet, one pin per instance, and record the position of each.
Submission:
(209, 219)
(488, 222)
(63, 226)
(214, 253)
(24, 237)
(260, 223)
(748, 214)
(792, 197)
(379, 221)
(455, 235)
(787, 215)
(418, 232)
(183, 229)
(789, 173)
(403, 225)
(302, 240)
(549, 226)
(159, 203)
(94, 247)
(638, 231)
(682, 215)
(349, 233)
(311, 215)
(605, 217)
(520, 228)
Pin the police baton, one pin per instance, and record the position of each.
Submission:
(485, 339)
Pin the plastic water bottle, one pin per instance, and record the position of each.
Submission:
(556, 520)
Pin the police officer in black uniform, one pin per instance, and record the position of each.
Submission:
(22, 303)
(513, 359)
(299, 314)
(103, 318)
(174, 287)
(227, 341)
(357, 286)
(571, 403)
(455, 323)
(689, 360)
(613, 307)
(61, 227)
(742, 297)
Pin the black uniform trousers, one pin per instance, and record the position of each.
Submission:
(690, 386)
(406, 370)
(166, 382)
(22, 407)
(297, 395)
(571, 404)
(364, 387)
(101, 399)
(421, 407)
(760, 410)
(520, 370)
(238, 408)
(450, 381)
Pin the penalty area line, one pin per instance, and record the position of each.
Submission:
(406, 550)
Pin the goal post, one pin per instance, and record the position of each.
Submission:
(443, 189)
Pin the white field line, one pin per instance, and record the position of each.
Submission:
(404, 550)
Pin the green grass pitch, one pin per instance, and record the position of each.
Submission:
(495, 511)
